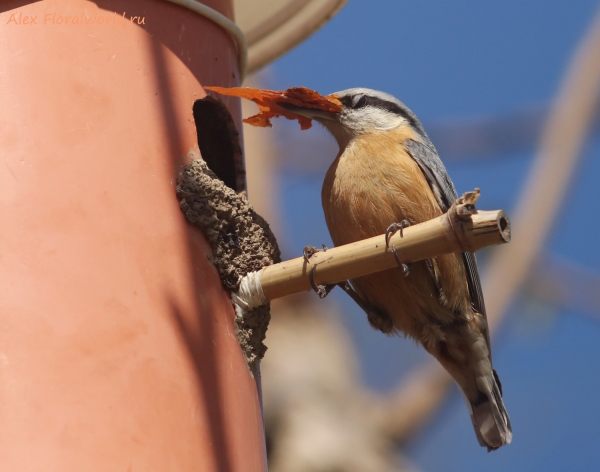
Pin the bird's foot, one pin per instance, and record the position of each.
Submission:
(321, 290)
(393, 229)
(389, 232)
(378, 319)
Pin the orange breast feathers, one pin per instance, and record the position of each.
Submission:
(372, 183)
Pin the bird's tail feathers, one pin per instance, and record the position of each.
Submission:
(490, 420)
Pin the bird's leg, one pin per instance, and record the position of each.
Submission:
(377, 318)
(432, 267)
(321, 290)
(389, 232)
(405, 267)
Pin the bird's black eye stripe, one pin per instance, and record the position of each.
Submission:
(355, 101)
(376, 102)
(361, 102)
(392, 108)
(346, 101)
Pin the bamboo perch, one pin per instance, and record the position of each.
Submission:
(461, 229)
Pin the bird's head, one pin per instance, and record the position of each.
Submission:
(364, 111)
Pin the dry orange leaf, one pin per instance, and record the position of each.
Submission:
(268, 100)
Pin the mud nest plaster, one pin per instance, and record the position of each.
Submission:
(241, 242)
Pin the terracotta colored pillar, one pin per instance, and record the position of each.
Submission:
(117, 347)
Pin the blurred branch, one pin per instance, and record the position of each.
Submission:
(492, 136)
(551, 174)
(564, 284)
(540, 201)
(456, 140)
(318, 415)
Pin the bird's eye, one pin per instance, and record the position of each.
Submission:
(359, 101)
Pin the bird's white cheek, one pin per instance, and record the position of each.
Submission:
(373, 119)
(387, 121)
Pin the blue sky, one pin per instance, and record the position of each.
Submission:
(455, 60)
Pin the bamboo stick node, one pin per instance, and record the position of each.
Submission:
(472, 227)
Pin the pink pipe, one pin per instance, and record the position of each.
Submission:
(117, 346)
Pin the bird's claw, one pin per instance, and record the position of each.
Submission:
(405, 267)
(393, 229)
(321, 290)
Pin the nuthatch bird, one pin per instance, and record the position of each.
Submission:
(386, 176)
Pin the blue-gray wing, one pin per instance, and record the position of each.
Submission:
(435, 172)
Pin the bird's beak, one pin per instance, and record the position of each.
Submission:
(312, 113)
